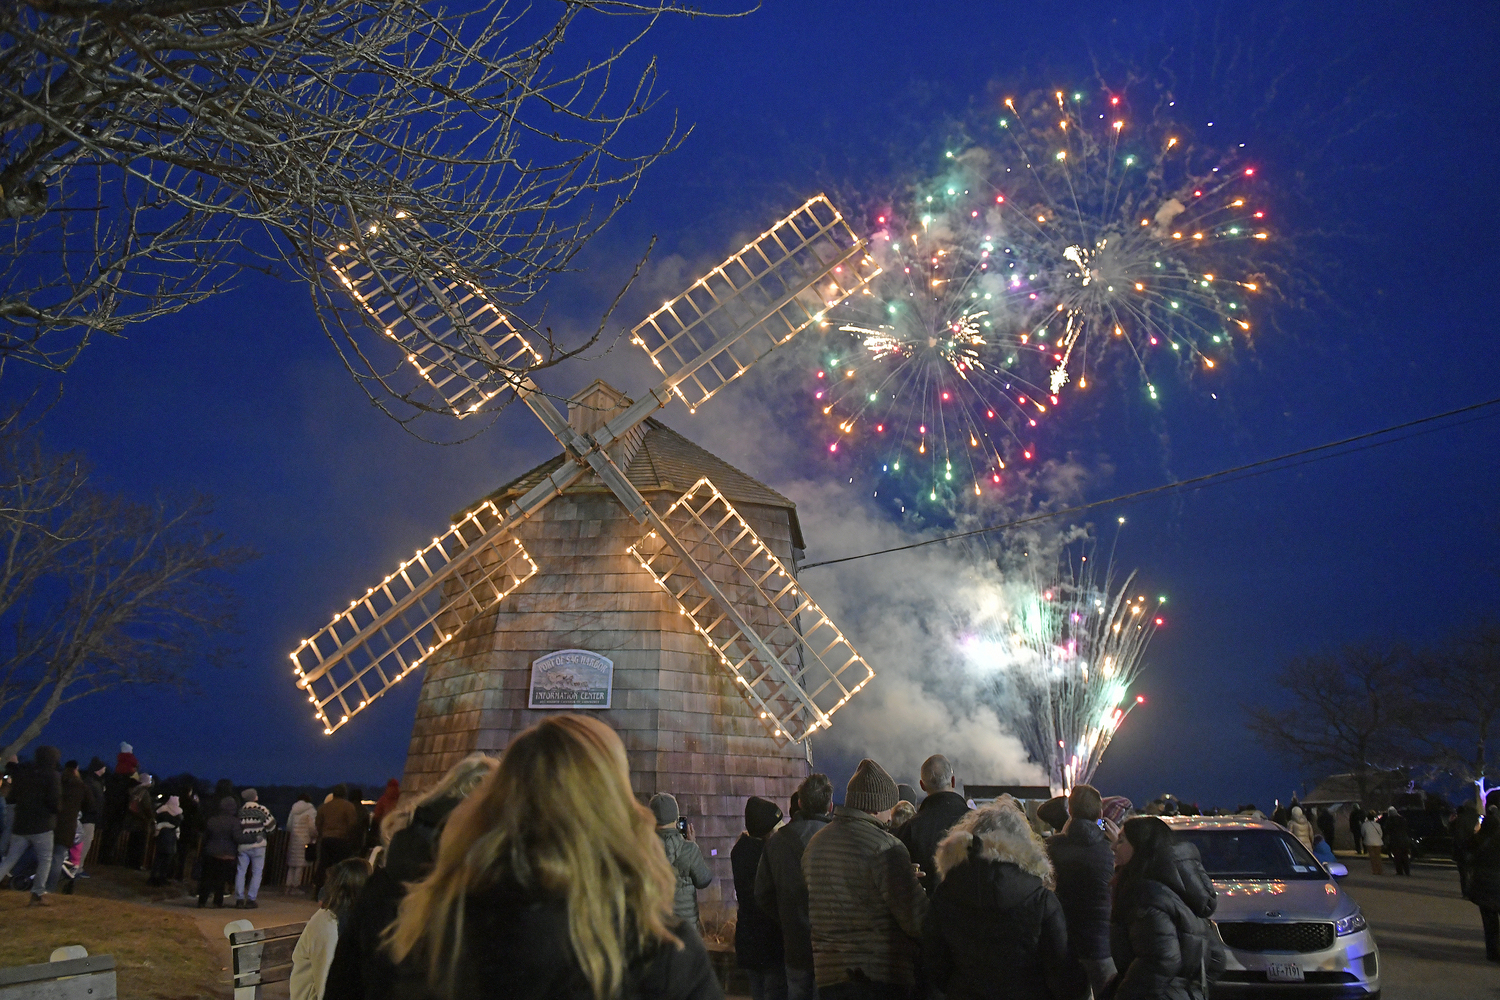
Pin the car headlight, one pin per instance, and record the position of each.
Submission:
(1352, 924)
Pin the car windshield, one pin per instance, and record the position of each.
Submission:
(1256, 855)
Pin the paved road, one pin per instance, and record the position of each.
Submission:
(1431, 942)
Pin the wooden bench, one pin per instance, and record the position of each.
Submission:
(262, 955)
(91, 978)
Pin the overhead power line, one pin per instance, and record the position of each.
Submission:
(1317, 453)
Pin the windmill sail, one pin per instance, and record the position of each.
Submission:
(755, 301)
(789, 659)
(459, 342)
(418, 608)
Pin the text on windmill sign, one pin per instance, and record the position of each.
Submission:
(571, 678)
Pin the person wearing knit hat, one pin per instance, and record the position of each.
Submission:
(256, 824)
(757, 938)
(126, 762)
(683, 854)
(864, 903)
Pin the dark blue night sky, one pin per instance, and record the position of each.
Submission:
(1377, 134)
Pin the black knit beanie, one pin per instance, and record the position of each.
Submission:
(761, 816)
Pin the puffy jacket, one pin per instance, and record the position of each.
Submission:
(1299, 827)
(781, 891)
(923, 832)
(1482, 886)
(1162, 941)
(516, 947)
(36, 792)
(686, 860)
(864, 904)
(757, 939)
(1084, 864)
(302, 830)
(995, 930)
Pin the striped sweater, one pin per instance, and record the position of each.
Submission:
(256, 822)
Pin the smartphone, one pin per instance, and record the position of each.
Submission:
(682, 825)
(1099, 822)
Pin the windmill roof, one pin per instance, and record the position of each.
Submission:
(665, 461)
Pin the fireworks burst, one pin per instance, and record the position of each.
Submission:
(1118, 232)
(1063, 657)
(919, 372)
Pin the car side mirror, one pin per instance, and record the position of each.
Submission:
(1337, 870)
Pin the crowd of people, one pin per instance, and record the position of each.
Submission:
(51, 814)
(540, 874)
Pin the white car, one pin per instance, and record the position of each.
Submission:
(1289, 929)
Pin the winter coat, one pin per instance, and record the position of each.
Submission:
(781, 891)
(1084, 864)
(1160, 936)
(302, 830)
(1482, 887)
(221, 835)
(757, 939)
(92, 808)
(361, 969)
(516, 947)
(385, 803)
(126, 763)
(36, 792)
(922, 833)
(864, 904)
(71, 793)
(1397, 832)
(995, 930)
(1300, 828)
(1324, 853)
(1371, 834)
(686, 859)
(337, 820)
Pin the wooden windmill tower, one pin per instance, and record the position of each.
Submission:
(633, 549)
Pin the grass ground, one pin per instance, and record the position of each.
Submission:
(159, 954)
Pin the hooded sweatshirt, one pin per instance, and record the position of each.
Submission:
(995, 929)
(36, 792)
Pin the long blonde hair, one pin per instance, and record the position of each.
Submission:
(559, 818)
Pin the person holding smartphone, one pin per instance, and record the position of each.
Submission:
(683, 854)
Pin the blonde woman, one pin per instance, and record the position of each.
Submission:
(550, 882)
(995, 928)
(408, 837)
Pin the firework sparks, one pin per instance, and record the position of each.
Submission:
(1117, 236)
(918, 373)
(1065, 654)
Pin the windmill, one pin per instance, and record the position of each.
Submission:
(786, 657)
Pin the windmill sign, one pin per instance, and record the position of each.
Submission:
(787, 659)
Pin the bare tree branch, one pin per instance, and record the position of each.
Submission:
(1343, 710)
(152, 149)
(96, 592)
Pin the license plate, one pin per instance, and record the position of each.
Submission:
(1284, 972)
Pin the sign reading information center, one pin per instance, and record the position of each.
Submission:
(571, 678)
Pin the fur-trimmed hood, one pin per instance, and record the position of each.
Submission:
(997, 832)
